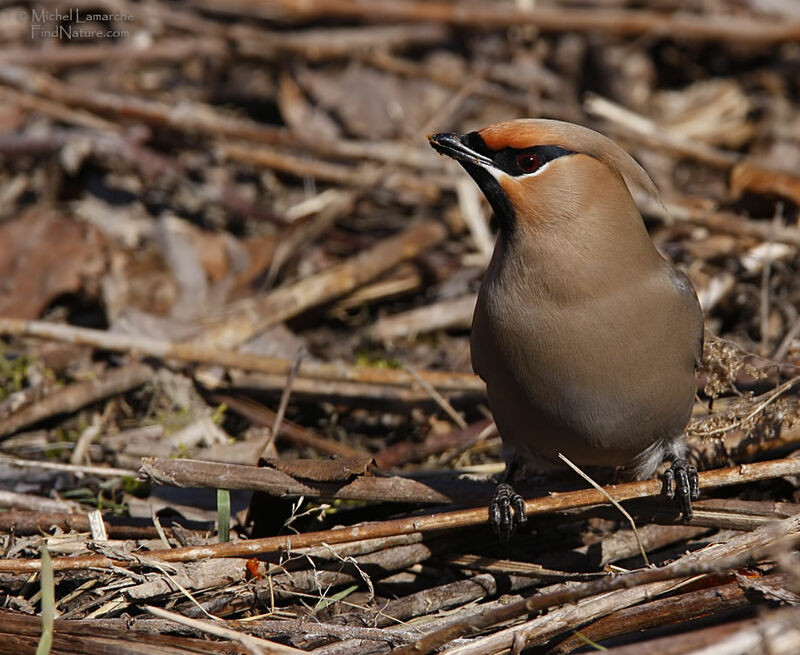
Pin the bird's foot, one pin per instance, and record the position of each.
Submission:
(681, 485)
(506, 511)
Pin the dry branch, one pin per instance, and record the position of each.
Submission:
(555, 19)
(403, 281)
(307, 478)
(339, 390)
(406, 451)
(361, 176)
(252, 315)
(58, 111)
(432, 601)
(745, 173)
(732, 554)
(325, 44)
(174, 49)
(433, 523)
(775, 632)
(78, 469)
(260, 415)
(20, 633)
(455, 313)
(108, 146)
(297, 631)
(185, 117)
(721, 221)
(35, 523)
(77, 395)
(253, 644)
(665, 611)
(32, 502)
(193, 352)
(214, 475)
(729, 514)
(693, 641)
(643, 129)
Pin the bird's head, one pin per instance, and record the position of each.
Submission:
(534, 168)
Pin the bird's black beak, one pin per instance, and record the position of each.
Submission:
(466, 150)
(453, 146)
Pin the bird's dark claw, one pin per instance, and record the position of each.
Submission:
(506, 511)
(680, 484)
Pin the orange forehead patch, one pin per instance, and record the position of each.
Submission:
(524, 133)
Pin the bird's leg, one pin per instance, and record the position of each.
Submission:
(507, 507)
(681, 484)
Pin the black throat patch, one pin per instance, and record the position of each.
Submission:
(501, 206)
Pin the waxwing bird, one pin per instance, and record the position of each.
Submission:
(586, 337)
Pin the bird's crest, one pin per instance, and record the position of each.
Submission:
(527, 132)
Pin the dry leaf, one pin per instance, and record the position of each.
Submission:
(44, 254)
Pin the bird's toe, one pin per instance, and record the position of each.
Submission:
(681, 485)
(506, 511)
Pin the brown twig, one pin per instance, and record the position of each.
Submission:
(58, 110)
(440, 400)
(77, 395)
(264, 448)
(403, 281)
(718, 558)
(613, 501)
(647, 131)
(32, 502)
(20, 633)
(729, 514)
(217, 475)
(437, 599)
(745, 173)
(252, 315)
(328, 43)
(186, 118)
(433, 523)
(664, 611)
(253, 644)
(23, 522)
(706, 640)
(744, 29)
(360, 176)
(435, 443)
(110, 147)
(716, 221)
(260, 415)
(193, 352)
(453, 313)
(345, 391)
(169, 49)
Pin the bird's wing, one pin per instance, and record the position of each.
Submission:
(685, 289)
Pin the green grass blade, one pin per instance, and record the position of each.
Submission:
(224, 515)
(48, 586)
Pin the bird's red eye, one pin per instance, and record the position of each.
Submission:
(528, 162)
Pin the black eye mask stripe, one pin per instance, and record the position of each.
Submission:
(507, 159)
